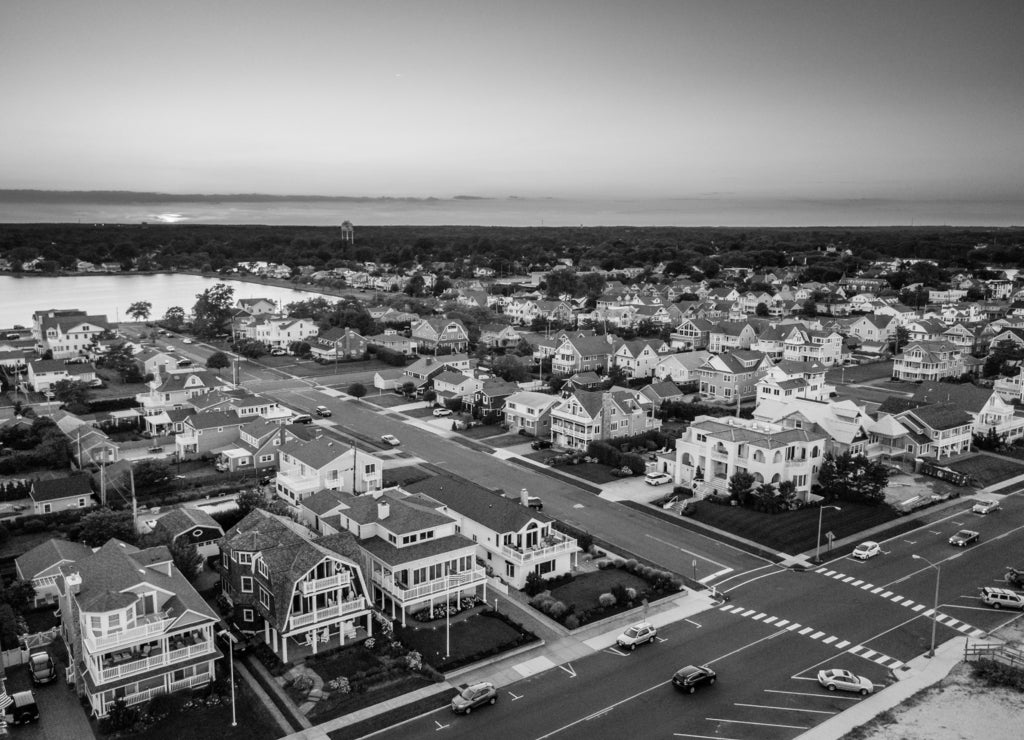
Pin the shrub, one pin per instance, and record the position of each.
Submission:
(556, 610)
(33, 525)
(534, 584)
(619, 592)
(572, 622)
(631, 594)
(629, 565)
(606, 600)
(998, 674)
(605, 564)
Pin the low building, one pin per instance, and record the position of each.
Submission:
(51, 495)
(192, 526)
(43, 375)
(41, 566)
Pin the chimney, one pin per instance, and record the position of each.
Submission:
(383, 510)
(524, 497)
(430, 361)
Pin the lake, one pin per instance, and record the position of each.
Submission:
(112, 294)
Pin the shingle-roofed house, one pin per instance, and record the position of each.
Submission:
(193, 526)
(306, 467)
(60, 494)
(41, 566)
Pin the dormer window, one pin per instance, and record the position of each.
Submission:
(245, 558)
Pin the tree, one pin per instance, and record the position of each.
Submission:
(251, 348)
(186, 558)
(510, 368)
(356, 390)
(256, 499)
(853, 478)
(561, 281)
(19, 594)
(409, 388)
(900, 340)
(740, 486)
(174, 317)
(991, 441)
(1002, 357)
(72, 393)
(149, 475)
(140, 310)
(103, 524)
(212, 309)
(761, 309)
(218, 360)
(8, 627)
(810, 308)
(415, 286)
(121, 360)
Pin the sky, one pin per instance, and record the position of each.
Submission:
(556, 98)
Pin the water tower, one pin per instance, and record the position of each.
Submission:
(348, 233)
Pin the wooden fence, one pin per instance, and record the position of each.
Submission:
(1000, 653)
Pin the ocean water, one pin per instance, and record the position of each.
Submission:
(707, 211)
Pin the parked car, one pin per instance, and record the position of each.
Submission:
(186, 340)
(964, 537)
(837, 679)
(169, 348)
(278, 352)
(866, 550)
(322, 411)
(656, 479)
(637, 634)
(442, 411)
(985, 506)
(22, 709)
(301, 419)
(540, 444)
(688, 678)
(40, 665)
(997, 598)
(474, 695)
(1014, 577)
(390, 439)
(241, 644)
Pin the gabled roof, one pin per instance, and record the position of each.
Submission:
(214, 419)
(185, 519)
(49, 554)
(940, 416)
(964, 395)
(591, 401)
(53, 489)
(317, 453)
(487, 508)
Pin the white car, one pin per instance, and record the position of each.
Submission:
(169, 348)
(656, 479)
(836, 679)
(441, 411)
(638, 634)
(390, 439)
(186, 340)
(985, 506)
(866, 550)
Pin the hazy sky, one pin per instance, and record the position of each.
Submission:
(805, 98)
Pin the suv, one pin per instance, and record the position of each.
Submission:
(322, 411)
(997, 598)
(638, 634)
(40, 665)
(474, 695)
(984, 506)
(690, 677)
(22, 708)
(301, 419)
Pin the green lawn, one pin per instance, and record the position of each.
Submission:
(794, 531)
(473, 636)
(584, 590)
(988, 469)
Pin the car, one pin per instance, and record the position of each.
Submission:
(985, 506)
(688, 678)
(964, 537)
(278, 352)
(997, 598)
(390, 439)
(535, 503)
(322, 411)
(656, 479)
(637, 634)
(301, 419)
(240, 643)
(169, 348)
(540, 444)
(474, 695)
(866, 550)
(186, 340)
(185, 362)
(156, 449)
(96, 383)
(837, 679)
(40, 665)
(22, 708)
(441, 411)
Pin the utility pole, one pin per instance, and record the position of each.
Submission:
(135, 508)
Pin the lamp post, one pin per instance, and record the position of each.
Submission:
(935, 603)
(231, 659)
(817, 548)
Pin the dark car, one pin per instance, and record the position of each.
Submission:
(40, 665)
(964, 537)
(540, 444)
(690, 677)
(22, 709)
(474, 695)
(322, 411)
(240, 643)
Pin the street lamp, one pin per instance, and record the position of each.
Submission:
(817, 548)
(935, 603)
(231, 659)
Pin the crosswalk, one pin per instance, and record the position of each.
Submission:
(821, 636)
(883, 593)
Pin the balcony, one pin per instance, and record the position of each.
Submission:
(148, 626)
(298, 485)
(327, 613)
(438, 586)
(161, 658)
(306, 588)
(550, 547)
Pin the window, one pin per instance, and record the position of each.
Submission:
(264, 597)
(81, 502)
(261, 566)
(246, 584)
(46, 508)
(510, 570)
(245, 558)
(408, 539)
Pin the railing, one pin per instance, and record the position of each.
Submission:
(189, 682)
(98, 642)
(330, 612)
(538, 553)
(320, 584)
(167, 658)
(298, 483)
(139, 698)
(439, 585)
(1000, 653)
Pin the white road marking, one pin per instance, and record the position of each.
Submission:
(689, 552)
(568, 669)
(785, 709)
(514, 697)
(830, 640)
(759, 724)
(439, 726)
(816, 696)
(702, 737)
(691, 622)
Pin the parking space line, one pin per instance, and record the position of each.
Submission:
(782, 623)
(758, 617)
(816, 696)
(785, 709)
(770, 620)
(793, 626)
(918, 607)
(817, 635)
(759, 724)
(702, 737)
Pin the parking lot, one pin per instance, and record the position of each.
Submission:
(61, 715)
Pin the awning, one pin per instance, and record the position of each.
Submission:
(231, 451)
(125, 414)
(158, 420)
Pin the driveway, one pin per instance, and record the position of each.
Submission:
(61, 715)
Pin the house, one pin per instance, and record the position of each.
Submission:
(452, 387)
(987, 409)
(192, 526)
(874, 328)
(155, 362)
(274, 332)
(691, 334)
(732, 377)
(939, 430)
(256, 448)
(844, 422)
(241, 403)
(66, 333)
(440, 335)
(681, 368)
(392, 341)
(579, 354)
(134, 627)
(928, 361)
(789, 379)
(338, 343)
(41, 566)
(712, 450)
(583, 417)
(728, 335)
(257, 306)
(638, 358)
(310, 466)
(499, 336)
(488, 401)
(175, 391)
(300, 591)
(664, 391)
(413, 555)
(51, 495)
(513, 539)
(529, 412)
(206, 433)
(43, 375)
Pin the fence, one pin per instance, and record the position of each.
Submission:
(1000, 653)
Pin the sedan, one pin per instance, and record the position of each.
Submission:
(42, 668)
(390, 439)
(836, 679)
(322, 411)
(866, 550)
(985, 506)
(442, 412)
(656, 479)
(690, 677)
(169, 348)
(964, 537)
(638, 634)
(186, 340)
(474, 695)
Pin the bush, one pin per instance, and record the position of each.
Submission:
(556, 610)
(630, 565)
(605, 564)
(620, 594)
(631, 594)
(998, 674)
(33, 525)
(572, 622)
(606, 600)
